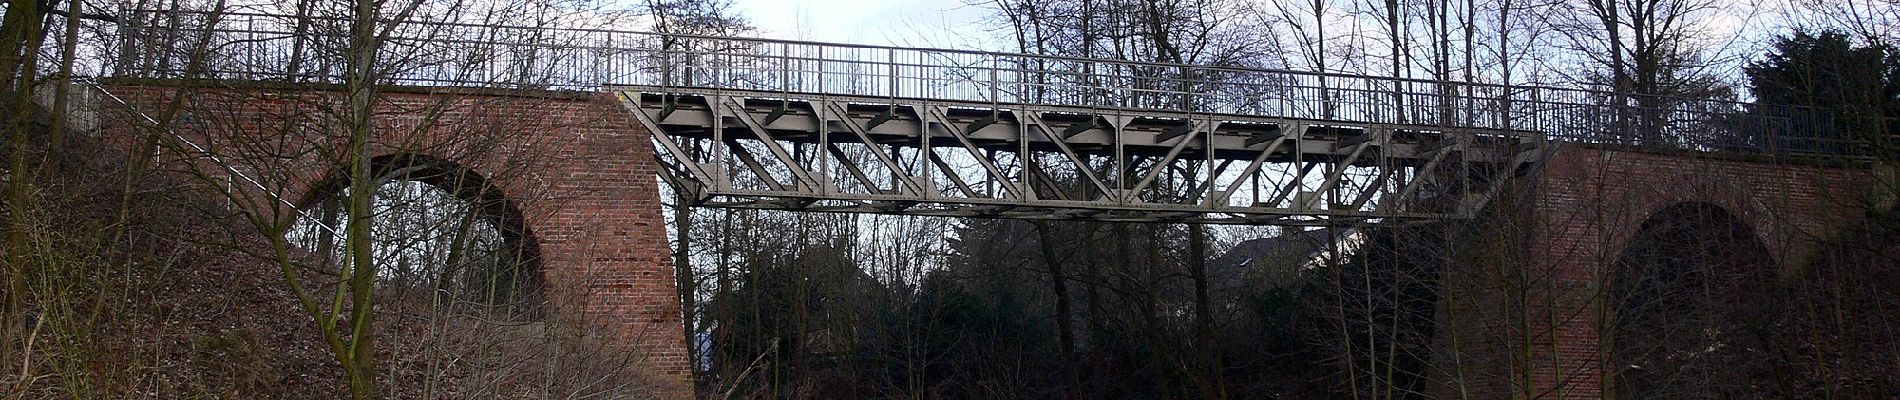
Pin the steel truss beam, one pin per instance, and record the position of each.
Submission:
(745, 149)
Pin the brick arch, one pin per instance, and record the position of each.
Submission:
(1718, 218)
(1588, 202)
(1688, 263)
(577, 168)
(1656, 194)
(461, 181)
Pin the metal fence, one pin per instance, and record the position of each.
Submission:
(270, 47)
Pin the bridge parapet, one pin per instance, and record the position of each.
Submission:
(261, 46)
(1385, 147)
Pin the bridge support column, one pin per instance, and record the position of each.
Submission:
(1579, 219)
(605, 237)
(580, 170)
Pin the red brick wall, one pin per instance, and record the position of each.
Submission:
(1590, 201)
(579, 169)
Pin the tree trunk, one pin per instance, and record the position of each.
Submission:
(1058, 281)
(684, 277)
(1204, 314)
(1398, 59)
(56, 140)
(359, 363)
(21, 28)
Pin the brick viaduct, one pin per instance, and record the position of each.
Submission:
(1586, 208)
(581, 174)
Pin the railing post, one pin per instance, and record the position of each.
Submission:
(890, 59)
(1773, 138)
(601, 60)
(994, 100)
(785, 67)
(1021, 90)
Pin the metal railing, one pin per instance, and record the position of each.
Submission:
(270, 47)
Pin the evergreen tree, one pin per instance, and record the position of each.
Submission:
(1833, 91)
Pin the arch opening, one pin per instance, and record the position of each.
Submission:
(1688, 293)
(439, 231)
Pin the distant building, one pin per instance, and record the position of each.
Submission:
(1278, 261)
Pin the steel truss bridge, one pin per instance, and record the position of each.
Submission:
(791, 125)
(936, 157)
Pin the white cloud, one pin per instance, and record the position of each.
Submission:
(875, 22)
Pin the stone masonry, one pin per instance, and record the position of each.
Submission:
(576, 167)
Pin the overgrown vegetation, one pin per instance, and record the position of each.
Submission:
(155, 253)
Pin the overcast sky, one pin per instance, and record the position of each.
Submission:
(917, 23)
(956, 24)
(1739, 32)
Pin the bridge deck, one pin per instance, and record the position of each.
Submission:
(747, 122)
